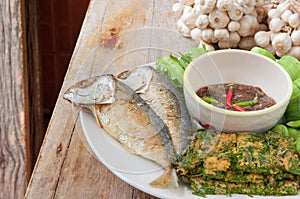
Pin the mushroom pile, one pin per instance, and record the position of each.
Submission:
(283, 34)
(221, 23)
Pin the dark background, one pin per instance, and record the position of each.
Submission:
(59, 24)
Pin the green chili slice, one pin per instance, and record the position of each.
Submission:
(246, 103)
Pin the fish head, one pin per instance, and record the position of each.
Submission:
(138, 79)
(96, 90)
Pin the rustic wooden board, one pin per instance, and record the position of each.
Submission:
(111, 36)
(14, 122)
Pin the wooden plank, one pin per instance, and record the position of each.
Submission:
(91, 171)
(112, 34)
(14, 121)
(47, 170)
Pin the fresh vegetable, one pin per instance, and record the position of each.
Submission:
(210, 100)
(291, 65)
(246, 103)
(173, 67)
(294, 124)
(293, 132)
(229, 96)
(239, 108)
(281, 128)
(263, 51)
(296, 87)
(293, 109)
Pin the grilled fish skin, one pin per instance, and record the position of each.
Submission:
(164, 99)
(126, 117)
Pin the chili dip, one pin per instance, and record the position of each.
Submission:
(236, 97)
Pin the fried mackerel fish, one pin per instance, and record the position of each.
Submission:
(244, 163)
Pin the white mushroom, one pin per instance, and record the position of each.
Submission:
(295, 36)
(236, 12)
(187, 9)
(294, 20)
(280, 54)
(247, 43)
(196, 34)
(284, 5)
(260, 14)
(270, 49)
(276, 24)
(208, 36)
(224, 44)
(285, 15)
(248, 6)
(234, 38)
(259, 3)
(274, 13)
(262, 38)
(202, 21)
(282, 43)
(233, 26)
(295, 52)
(205, 6)
(177, 8)
(218, 19)
(262, 27)
(225, 5)
(249, 25)
(189, 19)
(183, 29)
(221, 34)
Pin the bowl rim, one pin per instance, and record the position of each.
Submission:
(284, 101)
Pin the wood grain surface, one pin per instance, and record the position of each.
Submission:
(14, 113)
(114, 33)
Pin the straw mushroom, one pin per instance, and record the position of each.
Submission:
(262, 38)
(295, 36)
(196, 34)
(285, 15)
(236, 13)
(224, 5)
(218, 19)
(247, 43)
(282, 43)
(221, 34)
(208, 35)
(276, 24)
(248, 6)
(233, 26)
(224, 44)
(202, 21)
(295, 52)
(294, 20)
(177, 8)
(205, 6)
(249, 25)
(183, 29)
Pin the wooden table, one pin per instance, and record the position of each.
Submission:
(65, 167)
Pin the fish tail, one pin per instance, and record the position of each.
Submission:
(167, 180)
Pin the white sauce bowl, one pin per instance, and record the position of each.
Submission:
(237, 66)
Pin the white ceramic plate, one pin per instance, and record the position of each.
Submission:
(135, 170)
